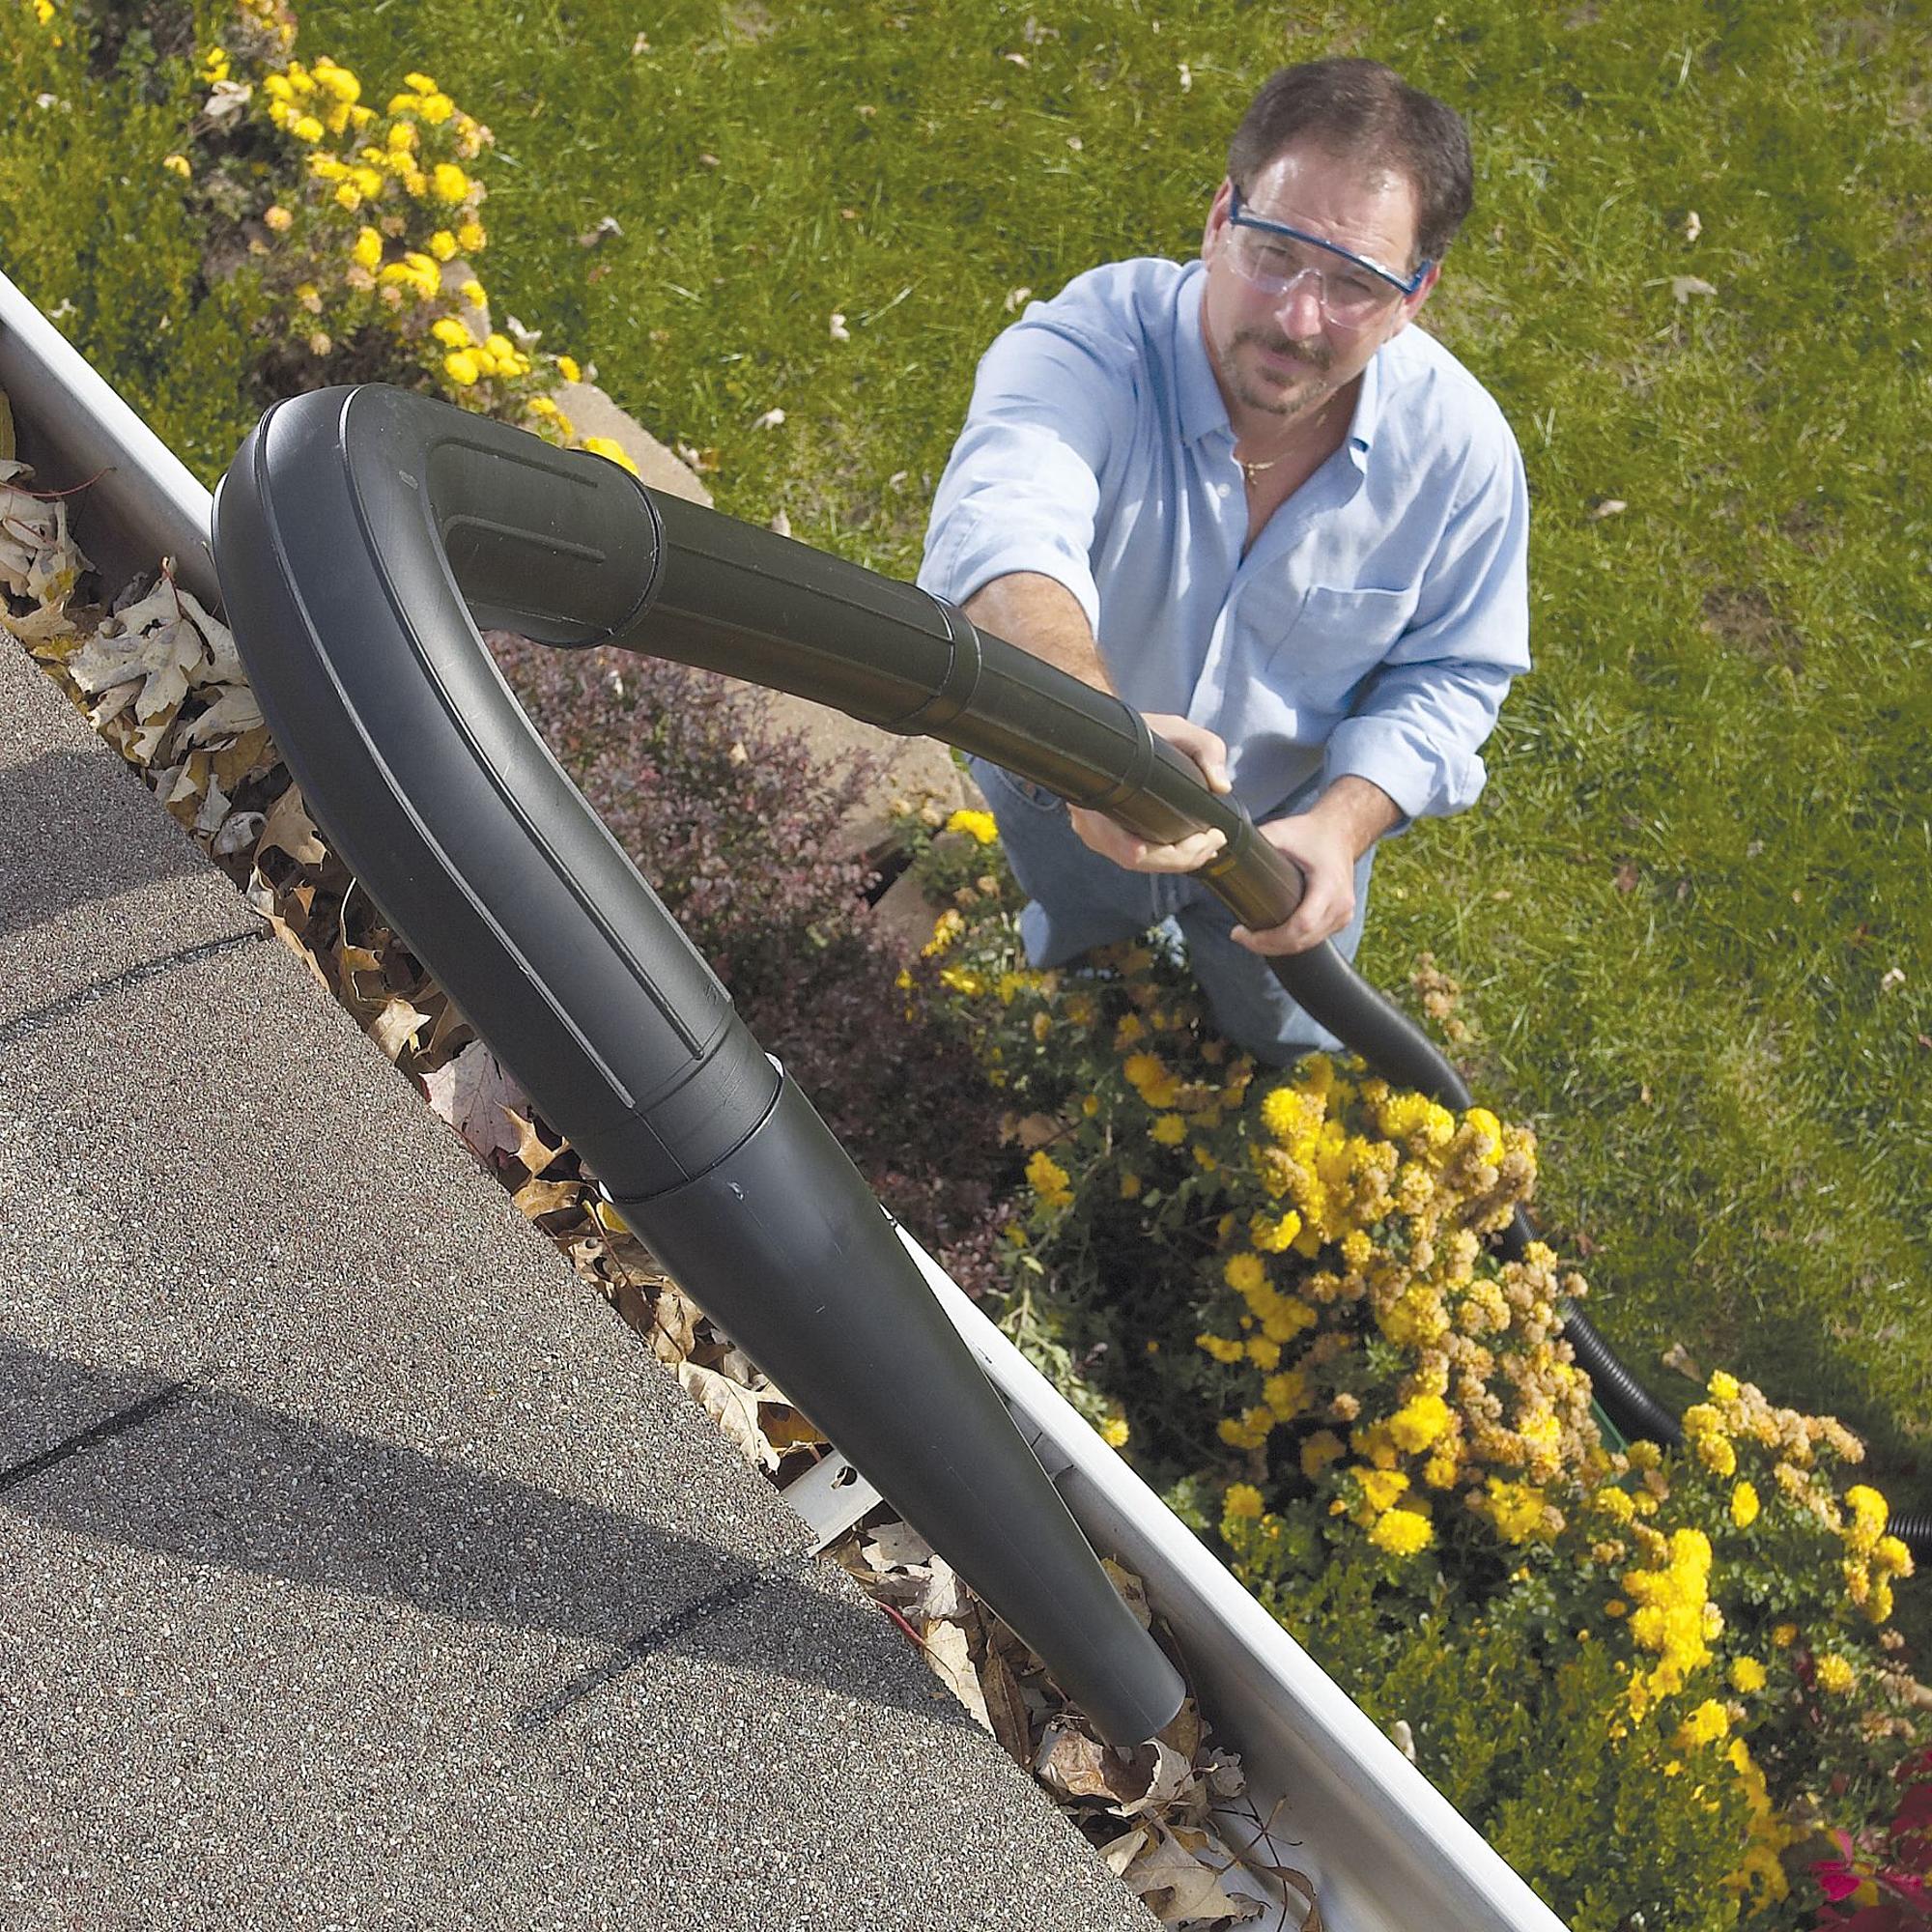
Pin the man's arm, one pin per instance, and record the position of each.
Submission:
(1043, 617)
(1040, 615)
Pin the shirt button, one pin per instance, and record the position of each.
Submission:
(1221, 489)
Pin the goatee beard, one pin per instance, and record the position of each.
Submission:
(1314, 356)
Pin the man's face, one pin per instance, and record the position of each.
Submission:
(1279, 356)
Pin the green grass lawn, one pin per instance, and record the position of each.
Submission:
(1691, 913)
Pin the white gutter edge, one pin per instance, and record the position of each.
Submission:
(140, 484)
(1389, 1852)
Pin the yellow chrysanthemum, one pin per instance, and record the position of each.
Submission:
(1170, 1130)
(1402, 1532)
(1835, 1674)
(1747, 1675)
(946, 928)
(1245, 1273)
(1418, 1422)
(981, 825)
(1243, 1502)
(1049, 1179)
(1890, 1557)
(460, 366)
(1381, 1487)
(1743, 1505)
(1705, 1725)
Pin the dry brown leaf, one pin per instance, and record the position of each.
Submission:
(674, 1319)
(897, 1546)
(1176, 1886)
(1005, 1707)
(546, 1197)
(1184, 1732)
(1076, 1766)
(48, 632)
(232, 714)
(397, 1026)
(251, 751)
(1676, 1357)
(474, 1095)
(1173, 1773)
(785, 1428)
(943, 1597)
(951, 1656)
(532, 1150)
(288, 828)
(734, 1409)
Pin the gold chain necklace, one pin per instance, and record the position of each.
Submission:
(1250, 470)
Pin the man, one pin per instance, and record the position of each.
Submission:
(1247, 499)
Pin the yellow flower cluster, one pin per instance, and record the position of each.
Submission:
(1759, 1879)
(1800, 1448)
(1049, 1181)
(946, 928)
(402, 180)
(1377, 1361)
(980, 825)
(1394, 1193)
(1675, 1618)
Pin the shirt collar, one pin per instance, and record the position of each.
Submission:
(1202, 411)
(1197, 393)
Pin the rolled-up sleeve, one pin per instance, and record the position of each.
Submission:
(1021, 490)
(1418, 727)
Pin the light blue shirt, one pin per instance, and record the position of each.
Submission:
(1375, 625)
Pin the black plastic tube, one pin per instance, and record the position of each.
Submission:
(349, 532)
(671, 579)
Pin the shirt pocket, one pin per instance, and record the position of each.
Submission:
(1337, 640)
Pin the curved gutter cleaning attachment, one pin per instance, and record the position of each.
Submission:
(573, 551)
(350, 531)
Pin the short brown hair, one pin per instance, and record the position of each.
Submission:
(1360, 107)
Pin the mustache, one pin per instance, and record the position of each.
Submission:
(1314, 353)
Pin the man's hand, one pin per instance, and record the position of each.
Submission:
(1326, 841)
(1114, 841)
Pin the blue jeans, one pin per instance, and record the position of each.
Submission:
(1079, 901)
